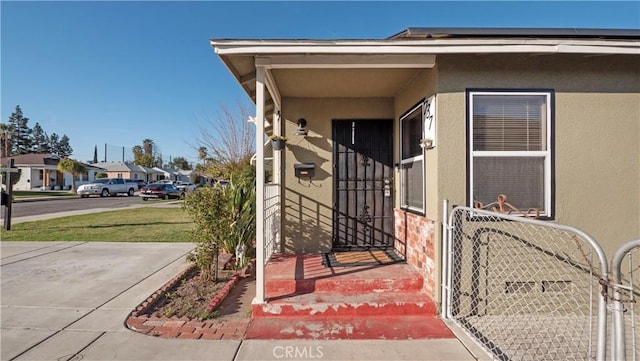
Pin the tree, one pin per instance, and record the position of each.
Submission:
(54, 142)
(74, 167)
(20, 133)
(7, 143)
(39, 140)
(64, 148)
(147, 146)
(202, 153)
(95, 155)
(229, 145)
(147, 155)
(140, 158)
(179, 163)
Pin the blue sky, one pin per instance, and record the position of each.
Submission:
(118, 72)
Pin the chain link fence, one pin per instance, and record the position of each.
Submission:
(525, 289)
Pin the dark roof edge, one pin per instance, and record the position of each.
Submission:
(418, 32)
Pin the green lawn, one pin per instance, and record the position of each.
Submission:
(31, 194)
(130, 225)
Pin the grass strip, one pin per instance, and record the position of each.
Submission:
(130, 225)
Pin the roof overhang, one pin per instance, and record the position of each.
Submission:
(321, 68)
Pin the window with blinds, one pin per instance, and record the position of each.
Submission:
(509, 135)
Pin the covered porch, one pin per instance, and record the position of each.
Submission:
(301, 90)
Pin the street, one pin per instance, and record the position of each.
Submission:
(24, 209)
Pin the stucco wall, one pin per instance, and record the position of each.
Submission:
(307, 203)
(597, 133)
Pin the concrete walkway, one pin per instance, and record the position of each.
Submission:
(69, 300)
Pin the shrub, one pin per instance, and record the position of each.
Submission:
(224, 218)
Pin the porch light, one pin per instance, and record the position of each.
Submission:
(302, 124)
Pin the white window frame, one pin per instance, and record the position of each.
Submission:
(403, 202)
(547, 154)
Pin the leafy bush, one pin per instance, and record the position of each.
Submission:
(224, 217)
(208, 208)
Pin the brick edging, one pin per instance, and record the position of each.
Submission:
(151, 300)
(179, 327)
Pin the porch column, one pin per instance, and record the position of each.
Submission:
(260, 79)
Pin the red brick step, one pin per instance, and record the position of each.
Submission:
(345, 328)
(333, 305)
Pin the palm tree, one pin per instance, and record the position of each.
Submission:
(74, 167)
(202, 153)
(147, 145)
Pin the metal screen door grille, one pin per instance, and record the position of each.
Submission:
(363, 166)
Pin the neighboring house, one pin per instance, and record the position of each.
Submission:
(184, 175)
(129, 171)
(549, 117)
(87, 177)
(40, 171)
(167, 173)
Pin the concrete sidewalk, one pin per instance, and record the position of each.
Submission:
(69, 301)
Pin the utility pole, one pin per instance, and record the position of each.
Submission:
(6, 143)
(9, 196)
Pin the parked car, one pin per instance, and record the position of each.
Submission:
(140, 182)
(161, 191)
(105, 187)
(186, 186)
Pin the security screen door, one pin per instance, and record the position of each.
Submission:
(363, 180)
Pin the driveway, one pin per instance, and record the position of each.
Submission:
(69, 300)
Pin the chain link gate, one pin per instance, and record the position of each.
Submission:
(525, 289)
(625, 269)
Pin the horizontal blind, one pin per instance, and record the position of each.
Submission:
(509, 122)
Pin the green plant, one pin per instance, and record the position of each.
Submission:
(224, 217)
(208, 209)
(277, 137)
(242, 207)
(209, 315)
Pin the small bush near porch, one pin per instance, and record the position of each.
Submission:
(225, 220)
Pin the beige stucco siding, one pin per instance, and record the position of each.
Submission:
(308, 203)
(597, 133)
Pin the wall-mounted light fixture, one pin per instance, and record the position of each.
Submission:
(302, 127)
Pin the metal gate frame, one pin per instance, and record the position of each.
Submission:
(450, 261)
(625, 292)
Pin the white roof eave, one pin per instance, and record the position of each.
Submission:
(435, 47)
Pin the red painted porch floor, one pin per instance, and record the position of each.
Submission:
(306, 300)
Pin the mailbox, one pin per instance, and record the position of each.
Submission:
(304, 170)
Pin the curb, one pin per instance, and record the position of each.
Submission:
(184, 327)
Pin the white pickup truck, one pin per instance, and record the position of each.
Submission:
(105, 187)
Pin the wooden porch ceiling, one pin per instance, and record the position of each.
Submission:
(370, 77)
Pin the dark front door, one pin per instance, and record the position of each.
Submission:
(363, 180)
